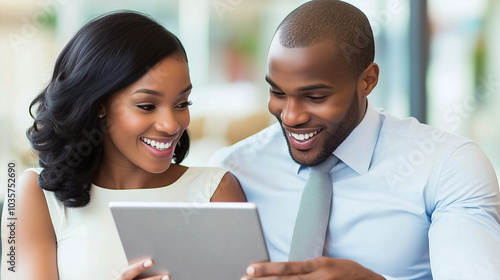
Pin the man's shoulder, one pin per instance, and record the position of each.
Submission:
(412, 129)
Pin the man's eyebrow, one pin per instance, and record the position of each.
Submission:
(156, 93)
(304, 88)
(313, 87)
(269, 81)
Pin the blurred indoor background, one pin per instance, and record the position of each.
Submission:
(439, 62)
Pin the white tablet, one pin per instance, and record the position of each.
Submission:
(210, 241)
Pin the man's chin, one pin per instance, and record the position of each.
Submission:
(306, 158)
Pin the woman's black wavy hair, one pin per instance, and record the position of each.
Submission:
(106, 55)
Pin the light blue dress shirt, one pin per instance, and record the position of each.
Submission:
(409, 201)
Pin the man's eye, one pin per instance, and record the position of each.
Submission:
(147, 107)
(276, 93)
(316, 98)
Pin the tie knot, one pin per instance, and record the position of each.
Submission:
(326, 165)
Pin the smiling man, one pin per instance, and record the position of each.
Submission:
(409, 201)
(317, 102)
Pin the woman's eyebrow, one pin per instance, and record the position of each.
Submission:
(157, 93)
(148, 91)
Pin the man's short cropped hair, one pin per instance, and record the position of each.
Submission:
(344, 25)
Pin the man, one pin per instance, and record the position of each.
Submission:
(409, 201)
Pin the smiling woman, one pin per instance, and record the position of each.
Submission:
(110, 126)
(146, 120)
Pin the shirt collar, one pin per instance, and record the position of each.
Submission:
(357, 149)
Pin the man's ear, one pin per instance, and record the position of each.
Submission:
(368, 79)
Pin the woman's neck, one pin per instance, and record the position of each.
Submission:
(113, 176)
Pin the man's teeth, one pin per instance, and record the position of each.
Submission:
(157, 145)
(302, 137)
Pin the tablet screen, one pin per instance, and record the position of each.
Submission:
(191, 240)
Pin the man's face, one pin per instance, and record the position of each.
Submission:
(314, 97)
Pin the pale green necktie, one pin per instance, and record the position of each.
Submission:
(314, 213)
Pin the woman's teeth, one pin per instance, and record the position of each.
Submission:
(157, 145)
(302, 137)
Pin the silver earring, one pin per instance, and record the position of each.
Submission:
(101, 115)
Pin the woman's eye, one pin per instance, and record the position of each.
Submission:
(146, 107)
(184, 104)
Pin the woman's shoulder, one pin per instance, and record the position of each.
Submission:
(28, 180)
(206, 169)
(27, 184)
(222, 184)
(211, 174)
(28, 189)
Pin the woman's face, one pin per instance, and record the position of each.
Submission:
(145, 120)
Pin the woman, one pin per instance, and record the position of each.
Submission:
(107, 128)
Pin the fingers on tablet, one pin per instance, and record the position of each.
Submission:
(137, 268)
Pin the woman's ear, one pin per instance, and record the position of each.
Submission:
(368, 79)
(102, 111)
